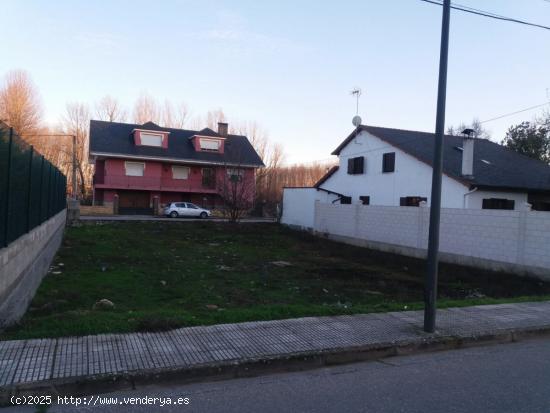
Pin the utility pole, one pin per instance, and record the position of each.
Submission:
(430, 292)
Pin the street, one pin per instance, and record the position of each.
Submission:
(499, 378)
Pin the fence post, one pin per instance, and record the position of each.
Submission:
(49, 189)
(8, 183)
(115, 204)
(29, 189)
(41, 191)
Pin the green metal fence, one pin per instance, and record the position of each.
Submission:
(31, 189)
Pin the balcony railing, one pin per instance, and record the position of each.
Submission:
(153, 183)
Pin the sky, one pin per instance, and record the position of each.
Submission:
(288, 65)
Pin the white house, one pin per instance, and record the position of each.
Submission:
(392, 167)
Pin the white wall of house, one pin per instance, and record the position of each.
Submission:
(299, 205)
(411, 177)
(475, 199)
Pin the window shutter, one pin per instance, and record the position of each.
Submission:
(498, 203)
(350, 166)
(403, 201)
(360, 165)
(388, 162)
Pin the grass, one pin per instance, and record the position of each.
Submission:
(162, 276)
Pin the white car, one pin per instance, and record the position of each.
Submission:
(185, 209)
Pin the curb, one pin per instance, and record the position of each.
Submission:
(87, 385)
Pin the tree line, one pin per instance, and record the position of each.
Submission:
(22, 108)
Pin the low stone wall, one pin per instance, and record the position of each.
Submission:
(96, 210)
(23, 264)
(501, 240)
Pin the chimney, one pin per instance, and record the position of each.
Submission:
(222, 129)
(468, 141)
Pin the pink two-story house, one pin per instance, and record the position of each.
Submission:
(139, 163)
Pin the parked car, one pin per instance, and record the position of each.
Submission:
(185, 209)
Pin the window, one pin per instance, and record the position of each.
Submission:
(412, 200)
(180, 172)
(388, 162)
(356, 165)
(365, 199)
(192, 206)
(345, 200)
(235, 175)
(134, 168)
(498, 203)
(151, 139)
(208, 178)
(212, 145)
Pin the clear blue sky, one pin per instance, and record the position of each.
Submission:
(287, 64)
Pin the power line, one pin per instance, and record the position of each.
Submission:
(406, 141)
(483, 13)
(516, 112)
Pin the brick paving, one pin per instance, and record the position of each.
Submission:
(42, 360)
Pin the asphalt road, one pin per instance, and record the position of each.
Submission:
(500, 378)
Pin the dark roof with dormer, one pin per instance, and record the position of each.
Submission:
(495, 166)
(116, 140)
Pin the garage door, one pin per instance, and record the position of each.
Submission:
(134, 203)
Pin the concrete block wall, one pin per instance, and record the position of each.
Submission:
(517, 241)
(536, 250)
(299, 206)
(23, 264)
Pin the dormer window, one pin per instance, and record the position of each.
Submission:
(151, 139)
(147, 137)
(209, 145)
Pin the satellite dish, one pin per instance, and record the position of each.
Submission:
(356, 120)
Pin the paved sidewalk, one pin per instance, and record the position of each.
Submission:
(75, 364)
(159, 218)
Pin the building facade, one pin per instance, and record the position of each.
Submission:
(392, 167)
(147, 165)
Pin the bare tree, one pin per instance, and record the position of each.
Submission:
(147, 109)
(20, 103)
(476, 125)
(109, 109)
(215, 116)
(174, 116)
(76, 121)
(257, 136)
(237, 192)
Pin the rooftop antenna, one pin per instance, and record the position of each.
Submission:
(356, 121)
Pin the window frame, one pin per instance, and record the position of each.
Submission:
(235, 174)
(498, 203)
(126, 163)
(365, 199)
(211, 176)
(142, 135)
(204, 149)
(356, 165)
(181, 167)
(412, 201)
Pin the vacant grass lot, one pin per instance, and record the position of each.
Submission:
(165, 275)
